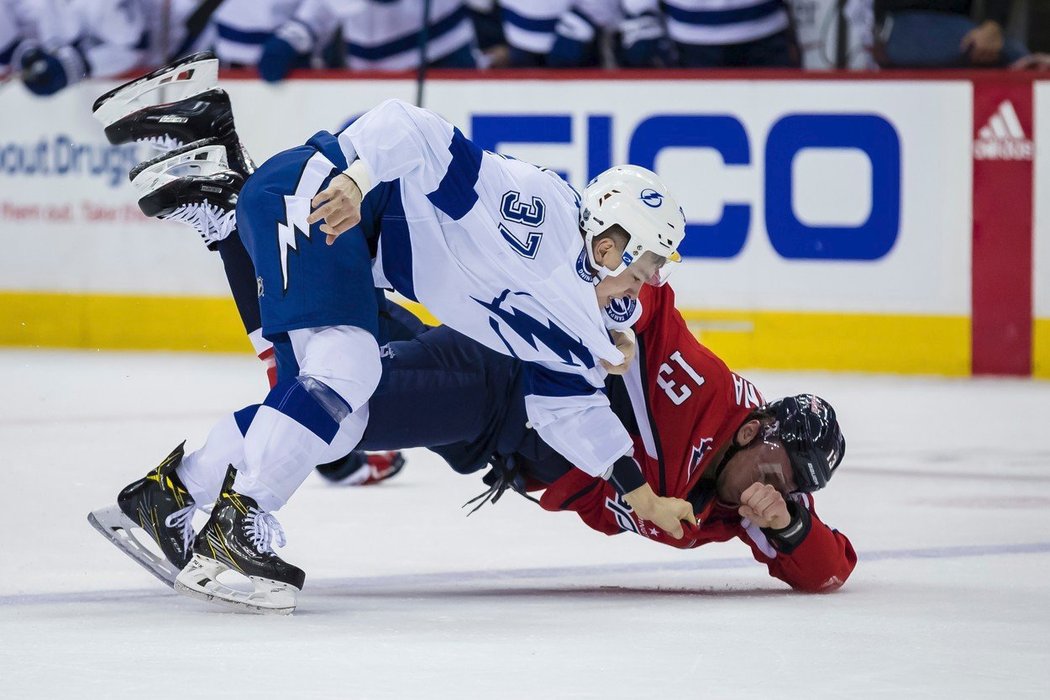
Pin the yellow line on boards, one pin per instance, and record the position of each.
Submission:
(745, 339)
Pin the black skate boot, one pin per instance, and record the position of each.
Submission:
(238, 538)
(183, 77)
(174, 105)
(193, 185)
(159, 504)
(170, 126)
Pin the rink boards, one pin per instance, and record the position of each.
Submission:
(881, 224)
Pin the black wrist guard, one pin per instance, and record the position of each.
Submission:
(626, 475)
(786, 539)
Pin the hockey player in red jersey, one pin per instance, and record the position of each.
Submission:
(704, 433)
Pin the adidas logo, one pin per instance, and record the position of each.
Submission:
(1002, 138)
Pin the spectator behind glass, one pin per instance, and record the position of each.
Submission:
(730, 33)
(941, 34)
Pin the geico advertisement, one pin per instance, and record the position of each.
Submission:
(1041, 199)
(799, 195)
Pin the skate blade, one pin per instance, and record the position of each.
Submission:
(118, 528)
(200, 580)
(176, 81)
(202, 158)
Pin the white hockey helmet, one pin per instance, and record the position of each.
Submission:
(637, 200)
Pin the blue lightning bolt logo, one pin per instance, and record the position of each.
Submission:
(568, 348)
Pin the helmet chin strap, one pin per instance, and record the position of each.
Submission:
(601, 270)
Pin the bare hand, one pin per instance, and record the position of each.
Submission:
(1033, 61)
(983, 43)
(625, 343)
(339, 205)
(764, 506)
(666, 513)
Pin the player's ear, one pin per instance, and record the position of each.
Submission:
(602, 246)
(747, 432)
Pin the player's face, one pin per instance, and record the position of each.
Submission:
(763, 461)
(626, 281)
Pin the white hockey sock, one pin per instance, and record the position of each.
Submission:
(279, 453)
(202, 471)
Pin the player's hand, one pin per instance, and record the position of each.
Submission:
(339, 205)
(1033, 61)
(625, 343)
(666, 513)
(983, 43)
(764, 506)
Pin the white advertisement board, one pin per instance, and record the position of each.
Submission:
(802, 195)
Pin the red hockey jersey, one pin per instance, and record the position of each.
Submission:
(687, 406)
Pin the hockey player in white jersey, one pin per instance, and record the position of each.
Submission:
(492, 246)
(77, 39)
(380, 35)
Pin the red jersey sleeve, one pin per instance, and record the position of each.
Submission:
(821, 562)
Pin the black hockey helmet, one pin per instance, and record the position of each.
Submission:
(809, 431)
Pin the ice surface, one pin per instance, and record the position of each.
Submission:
(945, 493)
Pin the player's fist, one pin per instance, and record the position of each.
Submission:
(764, 506)
(666, 513)
(338, 205)
(625, 343)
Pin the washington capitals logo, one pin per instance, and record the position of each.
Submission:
(651, 198)
(699, 452)
(567, 347)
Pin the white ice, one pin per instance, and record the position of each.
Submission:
(944, 492)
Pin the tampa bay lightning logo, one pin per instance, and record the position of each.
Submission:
(621, 310)
(651, 198)
(507, 315)
(582, 269)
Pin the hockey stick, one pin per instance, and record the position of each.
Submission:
(424, 37)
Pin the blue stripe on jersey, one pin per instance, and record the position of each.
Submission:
(719, 17)
(397, 246)
(240, 36)
(408, 41)
(328, 145)
(545, 382)
(244, 418)
(292, 398)
(455, 195)
(544, 25)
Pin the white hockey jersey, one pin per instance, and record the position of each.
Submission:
(384, 34)
(243, 26)
(492, 247)
(718, 22)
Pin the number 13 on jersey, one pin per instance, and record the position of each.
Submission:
(678, 389)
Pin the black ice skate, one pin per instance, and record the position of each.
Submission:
(170, 126)
(238, 538)
(174, 105)
(193, 185)
(182, 78)
(159, 505)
